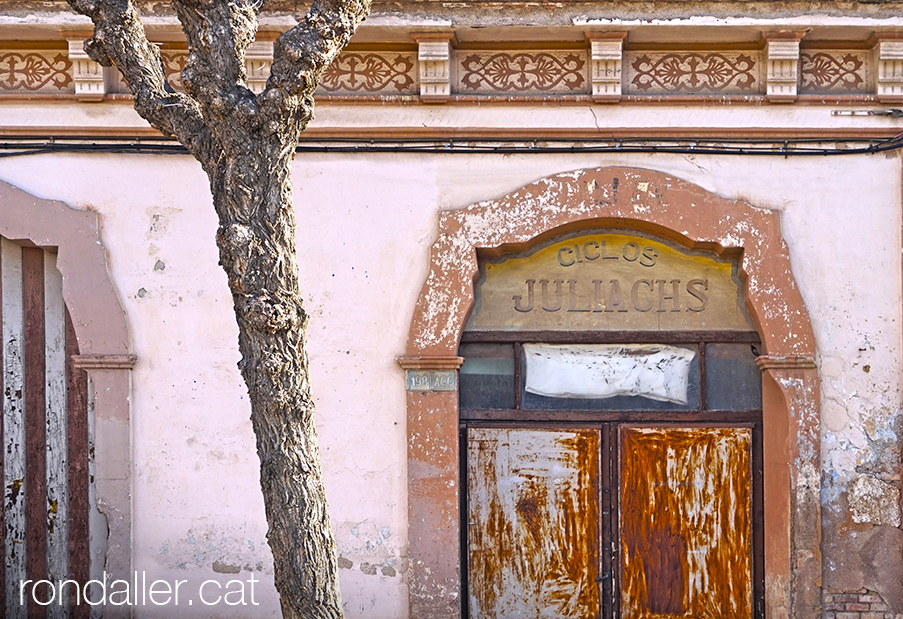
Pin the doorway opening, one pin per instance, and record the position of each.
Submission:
(700, 224)
(610, 419)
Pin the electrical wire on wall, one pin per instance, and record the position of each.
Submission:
(822, 146)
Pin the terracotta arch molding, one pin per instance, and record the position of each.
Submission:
(102, 334)
(683, 213)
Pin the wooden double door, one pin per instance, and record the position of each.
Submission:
(584, 508)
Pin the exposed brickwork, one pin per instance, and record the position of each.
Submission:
(862, 604)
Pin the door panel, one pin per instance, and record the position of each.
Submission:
(44, 439)
(533, 532)
(685, 522)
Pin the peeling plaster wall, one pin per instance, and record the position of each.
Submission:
(363, 247)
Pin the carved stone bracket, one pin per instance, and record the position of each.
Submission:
(87, 75)
(434, 60)
(258, 59)
(783, 54)
(889, 60)
(606, 54)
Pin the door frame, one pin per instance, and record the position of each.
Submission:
(667, 207)
(608, 422)
(104, 353)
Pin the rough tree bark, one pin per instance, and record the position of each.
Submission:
(246, 144)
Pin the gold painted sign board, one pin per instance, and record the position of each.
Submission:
(609, 281)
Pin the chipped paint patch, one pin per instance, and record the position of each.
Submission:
(368, 547)
(218, 549)
(834, 415)
(874, 501)
(224, 568)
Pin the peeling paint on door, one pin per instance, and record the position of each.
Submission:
(13, 424)
(42, 403)
(56, 419)
(685, 523)
(533, 523)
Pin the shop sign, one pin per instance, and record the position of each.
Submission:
(609, 281)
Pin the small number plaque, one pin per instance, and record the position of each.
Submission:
(442, 380)
(431, 380)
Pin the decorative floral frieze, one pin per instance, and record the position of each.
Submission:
(173, 63)
(35, 71)
(437, 71)
(258, 59)
(693, 73)
(834, 72)
(370, 73)
(527, 73)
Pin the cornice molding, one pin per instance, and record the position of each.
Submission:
(793, 362)
(430, 363)
(104, 362)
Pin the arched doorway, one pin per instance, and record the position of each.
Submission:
(97, 344)
(666, 208)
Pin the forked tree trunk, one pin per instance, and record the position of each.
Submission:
(246, 145)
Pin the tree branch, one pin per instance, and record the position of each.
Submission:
(302, 54)
(119, 40)
(218, 33)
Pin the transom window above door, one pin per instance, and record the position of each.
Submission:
(690, 377)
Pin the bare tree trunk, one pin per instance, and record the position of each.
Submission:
(253, 198)
(246, 145)
(256, 238)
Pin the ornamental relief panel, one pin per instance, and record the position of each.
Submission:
(35, 71)
(363, 73)
(541, 72)
(843, 71)
(654, 73)
(503, 73)
(173, 63)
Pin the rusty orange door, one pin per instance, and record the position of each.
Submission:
(685, 523)
(533, 523)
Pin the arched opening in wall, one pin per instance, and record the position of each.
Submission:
(657, 208)
(610, 419)
(48, 239)
(46, 451)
